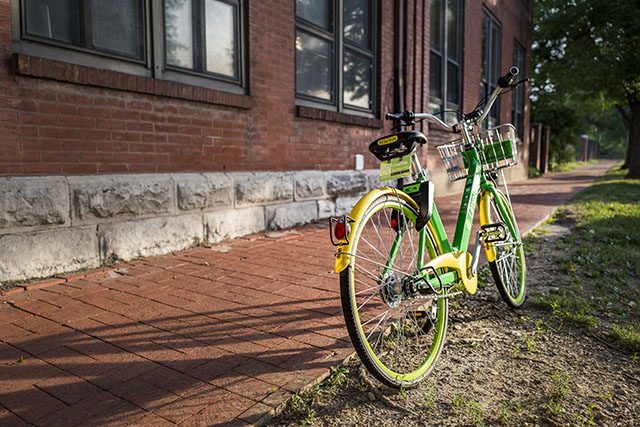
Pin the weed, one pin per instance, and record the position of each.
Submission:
(554, 406)
(475, 413)
(309, 418)
(560, 389)
(19, 361)
(403, 393)
(337, 375)
(628, 336)
(484, 277)
(503, 415)
(362, 386)
(457, 402)
(472, 410)
(429, 401)
(588, 417)
(518, 408)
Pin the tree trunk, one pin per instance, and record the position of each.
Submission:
(626, 121)
(633, 151)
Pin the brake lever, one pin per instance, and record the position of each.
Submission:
(520, 82)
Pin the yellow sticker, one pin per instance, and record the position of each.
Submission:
(389, 140)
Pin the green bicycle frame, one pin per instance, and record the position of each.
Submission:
(476, 184)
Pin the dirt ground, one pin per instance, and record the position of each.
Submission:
(498, 367)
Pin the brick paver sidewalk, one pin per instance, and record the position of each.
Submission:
(206, 336)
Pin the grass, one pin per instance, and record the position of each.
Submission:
(560, 389)
(302, 403)
(575, 164)
(599, 286)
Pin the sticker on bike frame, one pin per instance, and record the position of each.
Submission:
(395, 168)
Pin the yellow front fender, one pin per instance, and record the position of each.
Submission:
(483, 210)
(357, 213)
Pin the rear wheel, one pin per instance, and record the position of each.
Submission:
(508, 268)
(397, 333)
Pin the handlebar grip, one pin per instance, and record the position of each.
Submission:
(507, 79)
(405, 116)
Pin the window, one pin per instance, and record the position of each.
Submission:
(491, 34)
(199, 42)
(444, 58)
(113, 28)
(518, 97)
(203, 36)
(335, 62)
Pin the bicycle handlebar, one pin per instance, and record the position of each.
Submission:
(475, 117)
(506, 80)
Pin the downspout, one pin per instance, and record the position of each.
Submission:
(398, 71)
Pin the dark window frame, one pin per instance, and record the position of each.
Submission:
(340, 44)
(86, 36)
(519, 94)
(491, 56)
(152, 63)
(449, 109)
(192, 76)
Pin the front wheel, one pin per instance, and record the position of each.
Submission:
(508, 268)
(398, 334)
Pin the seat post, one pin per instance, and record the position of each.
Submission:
(419, 172)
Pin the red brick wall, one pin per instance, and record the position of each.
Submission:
(58, 118)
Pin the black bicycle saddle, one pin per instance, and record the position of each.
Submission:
(397, 145)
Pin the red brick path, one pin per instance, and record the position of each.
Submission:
(206, 336)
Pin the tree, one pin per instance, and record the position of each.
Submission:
(591, 48)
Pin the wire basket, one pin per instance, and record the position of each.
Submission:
(496, 147)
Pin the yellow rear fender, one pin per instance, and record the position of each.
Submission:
(357, 215)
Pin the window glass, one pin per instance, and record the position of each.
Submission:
(435, 76)
(357, 80)
(54, 19)
(313, 66)
(453, 85)
(518, 97)
(452, 29)
(317, 12)
(116, 25)
(435, 29)
(178, 23)
(201, 42)
(444, 57)
(491, 35)
(335, 68)
(357, 22)
(220, 38)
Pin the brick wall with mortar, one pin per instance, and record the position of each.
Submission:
(69, 129)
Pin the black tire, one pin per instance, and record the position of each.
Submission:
(509, 269)
(397, 337)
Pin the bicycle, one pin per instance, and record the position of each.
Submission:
(397, 267)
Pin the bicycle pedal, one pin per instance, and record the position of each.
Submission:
(493, 233)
